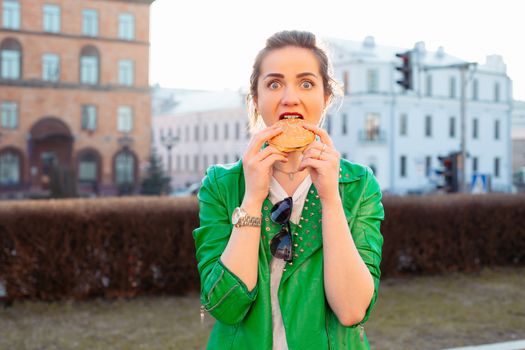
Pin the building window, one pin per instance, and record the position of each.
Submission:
(196, 133)
(452, 127)
(215, 131)
(475, 128)
(496, 130)
(205, 161)
(372, 126)
(89, 65)
(205, 133)
(428, 125)
(372, 80)
(196, 162)
(87, 167)
(186, 162)
(346, 87)
(344, 123)
(226, 128)
(9, 110)
(50, 67)
(328, 121)
(237, 131)
(496, 167)
(428, 86)
(10, 64)
(187, 133)
(475, 89)
(124, 168)
(10, 59)
(225, 158)
(89, 117)
(403, 124)
(474, 164)
(452, 87)
(496, 92)
(215, 159)
(126, 26)
(51, 18)
(428, 165)
(11, 14)
(403, 166)
(90, 22)
(125, 119)
(125, 72)
(177, 163)
(9, 168)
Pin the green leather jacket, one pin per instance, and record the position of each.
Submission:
(244, 318)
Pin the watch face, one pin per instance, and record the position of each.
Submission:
(237, 213)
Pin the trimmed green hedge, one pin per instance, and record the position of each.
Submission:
(122, 247)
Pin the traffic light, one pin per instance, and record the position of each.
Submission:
(405, 69)
(449, 172)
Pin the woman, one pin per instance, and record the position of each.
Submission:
(324, 209)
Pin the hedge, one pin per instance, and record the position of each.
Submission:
(123, 247)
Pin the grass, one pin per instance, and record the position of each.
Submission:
(411, 313)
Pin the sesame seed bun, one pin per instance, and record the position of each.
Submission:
(294, 137)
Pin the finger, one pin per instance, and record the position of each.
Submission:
(314, 146)
(271, 159)
(323, 134)
(326, 158)
(310, 163)
(268, 151)
(317, 150)
(261, 137)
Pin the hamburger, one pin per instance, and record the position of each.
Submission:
(294, 137)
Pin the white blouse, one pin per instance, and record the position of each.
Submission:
(276, 194)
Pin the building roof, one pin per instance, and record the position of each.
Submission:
(368, 50)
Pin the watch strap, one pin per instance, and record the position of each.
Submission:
(249, 221)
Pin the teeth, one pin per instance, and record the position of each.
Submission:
(291, 117)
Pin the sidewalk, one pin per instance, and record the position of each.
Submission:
(511, 345)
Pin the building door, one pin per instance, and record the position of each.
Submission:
(51, 146)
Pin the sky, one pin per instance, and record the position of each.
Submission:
(211, 44)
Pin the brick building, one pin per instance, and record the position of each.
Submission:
(74, 93)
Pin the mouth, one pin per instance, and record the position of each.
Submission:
(290, 115)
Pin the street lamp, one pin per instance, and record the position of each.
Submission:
(168, 142)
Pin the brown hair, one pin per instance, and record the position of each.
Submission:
(300, 39)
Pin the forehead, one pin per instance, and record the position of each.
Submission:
(291, 60)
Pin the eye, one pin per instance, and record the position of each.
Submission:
(307, 84)
(273, 85)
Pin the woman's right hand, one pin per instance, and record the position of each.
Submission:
(258, 164)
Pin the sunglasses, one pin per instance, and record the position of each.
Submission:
(281, 243)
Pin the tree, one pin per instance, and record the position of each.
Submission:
(155, 181)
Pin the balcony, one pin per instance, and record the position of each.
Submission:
(372, 136)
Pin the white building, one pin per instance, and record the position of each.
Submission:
(401, 134)
(398, 134)
(210, 127)
(518, 145)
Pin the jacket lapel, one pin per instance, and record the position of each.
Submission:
(307, 234)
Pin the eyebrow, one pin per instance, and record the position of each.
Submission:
(279, 75)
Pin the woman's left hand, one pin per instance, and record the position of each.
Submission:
(322, 160)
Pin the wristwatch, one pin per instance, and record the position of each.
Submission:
(241, 218)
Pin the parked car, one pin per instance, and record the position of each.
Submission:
(191, 190)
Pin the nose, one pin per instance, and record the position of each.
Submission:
(290, 97)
